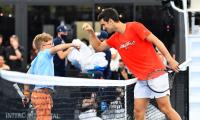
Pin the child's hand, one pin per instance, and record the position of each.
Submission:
(27, 98)
(76, 44)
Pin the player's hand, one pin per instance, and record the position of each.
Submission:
(87, 27)
(174, 65)
(15, 44)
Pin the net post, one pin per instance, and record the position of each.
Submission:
(125, 101)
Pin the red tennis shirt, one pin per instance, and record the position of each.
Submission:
(137, 53)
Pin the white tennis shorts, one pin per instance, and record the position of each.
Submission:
(141, 89)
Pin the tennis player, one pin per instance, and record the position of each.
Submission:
(134, 43)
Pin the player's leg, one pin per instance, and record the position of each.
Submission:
(140, 105)
(141, 99)
(165, 106)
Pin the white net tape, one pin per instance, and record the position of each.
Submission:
(60, 81)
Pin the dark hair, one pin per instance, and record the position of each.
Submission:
(120, 60)
(1, 36)
(109, 13)
(98, 75)
(86, 41)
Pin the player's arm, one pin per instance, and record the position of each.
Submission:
(161, 47)
(94, 41)
(97, 44)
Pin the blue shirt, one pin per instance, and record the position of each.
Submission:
(42, 65)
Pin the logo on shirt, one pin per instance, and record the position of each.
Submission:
(126, 45)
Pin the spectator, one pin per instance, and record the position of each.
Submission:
(3, 66)
(107, 72)
(34, 52)
(123, 73)
(84, 40)
(59, 58)
(114, 64)
(14, 54)
(88, 108)
(2, 48)
(98, 75)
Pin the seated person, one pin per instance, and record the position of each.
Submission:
(88, 109)
(85, 59)
(123, 73)
(90, 102)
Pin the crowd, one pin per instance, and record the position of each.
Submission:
(12, 55)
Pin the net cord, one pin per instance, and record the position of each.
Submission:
(24, 78)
